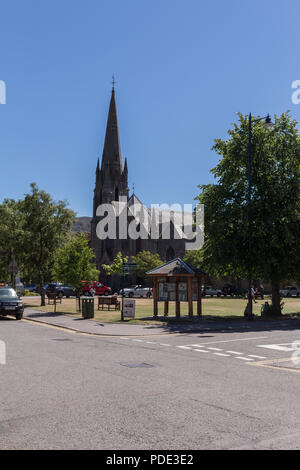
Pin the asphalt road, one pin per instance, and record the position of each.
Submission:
(214, 390)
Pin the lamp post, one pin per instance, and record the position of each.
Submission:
(267, 124)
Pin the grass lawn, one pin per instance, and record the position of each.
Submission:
(217, 308)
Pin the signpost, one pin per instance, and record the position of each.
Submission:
(129, 308)
(127, 267)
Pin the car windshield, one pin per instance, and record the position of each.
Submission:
(7, 293)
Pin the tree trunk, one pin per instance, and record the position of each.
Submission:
(276, 310)
(41, 288)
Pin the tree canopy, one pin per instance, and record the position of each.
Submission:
(116, 267)
(275, 206)
(74, 262)
(145, 261)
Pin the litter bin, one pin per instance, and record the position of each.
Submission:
(87, 307)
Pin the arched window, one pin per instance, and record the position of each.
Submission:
(170, 253)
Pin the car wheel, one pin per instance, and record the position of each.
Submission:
(130, 295)
(148, 295)
(19, 315)
(106, 293)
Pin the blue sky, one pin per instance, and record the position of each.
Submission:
(183, 70)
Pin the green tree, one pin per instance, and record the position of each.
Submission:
(74, 262)
(46, 226)
(116, 267)
(146, 261)
(194, 258)
(275, 207)
(11, 236)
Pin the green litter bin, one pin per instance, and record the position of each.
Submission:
(87, 307)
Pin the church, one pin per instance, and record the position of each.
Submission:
(112, 185)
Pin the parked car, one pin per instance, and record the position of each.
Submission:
(136, 291)
(10, 303)
(290, 291)
(229, 289)
(95, 288)
(31, 288)
(209, 290)
(60, 290)
(66, 291)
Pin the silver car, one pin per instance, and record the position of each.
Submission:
(209, 290)
(290, 291)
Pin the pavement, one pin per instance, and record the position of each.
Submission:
(93, 327)
(217, 389)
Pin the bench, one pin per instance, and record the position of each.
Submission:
(108, 301)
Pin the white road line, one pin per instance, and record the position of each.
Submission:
(122, 337)
(138, 340)
(201, 350)
(279, 347)
(183, 347)
(215, 349)
(244, 358)
(221, 354)
(235, 352)
(197, 345)
(150, 342)
(256, 357)
(232, 340)
(163, 344)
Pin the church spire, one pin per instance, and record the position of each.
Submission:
(112, 149)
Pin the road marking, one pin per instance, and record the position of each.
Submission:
(150, 342)
(279, 347)
(197, 345)
(184, 347)
(164, 344)
(244, 358)
(215, 349)
(232, 340)
(256, 357)
(138, 340)
(201, 350)
(221, 354)
(235, 352)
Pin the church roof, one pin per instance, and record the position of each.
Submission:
(112, 148)
(134, 202)
(173, 267)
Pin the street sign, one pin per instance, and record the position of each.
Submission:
(129, 266)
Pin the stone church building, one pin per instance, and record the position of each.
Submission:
(112, 184)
